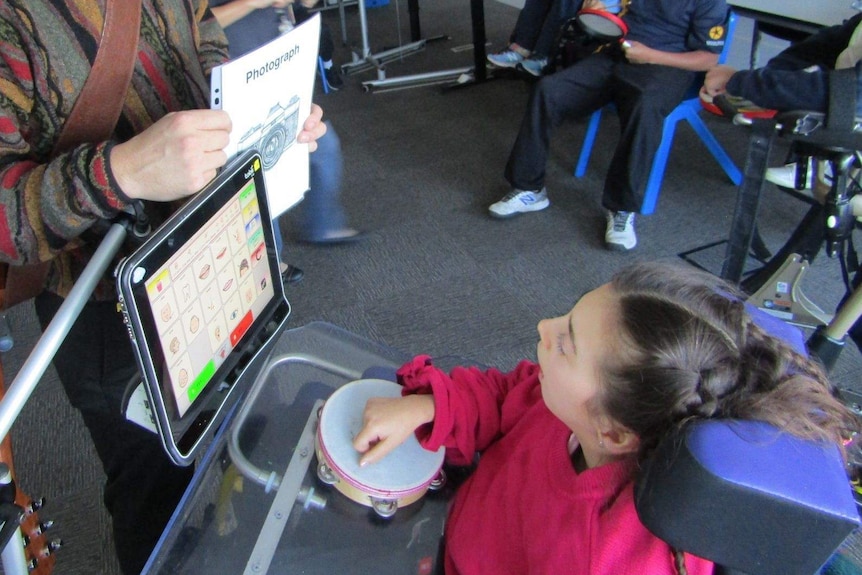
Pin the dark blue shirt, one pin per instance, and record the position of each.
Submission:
(677, 25)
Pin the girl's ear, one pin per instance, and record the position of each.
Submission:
(618, 439)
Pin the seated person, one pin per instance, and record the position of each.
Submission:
(668, 42)
(797, 79)
(562, 439)
(535, 32)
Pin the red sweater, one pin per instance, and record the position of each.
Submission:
(525, 509)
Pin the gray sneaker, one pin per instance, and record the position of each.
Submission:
(519, 202)
(620, 233)
(534, 66)
(505, 59)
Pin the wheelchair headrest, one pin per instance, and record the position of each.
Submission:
(748, 497)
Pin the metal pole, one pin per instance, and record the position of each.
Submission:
(13, 558)
(43, 352)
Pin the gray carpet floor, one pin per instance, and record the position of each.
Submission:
(435, 274)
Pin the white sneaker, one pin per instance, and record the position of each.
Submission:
(519, 202)
(620, 233)
(534, 66)
(785, 176)
(505, 59)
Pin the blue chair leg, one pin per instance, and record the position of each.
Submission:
(659, 163)
(589, 140)
(322, 75)
(716, 150)
(688, 110)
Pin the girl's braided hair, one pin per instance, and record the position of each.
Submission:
(688, 350)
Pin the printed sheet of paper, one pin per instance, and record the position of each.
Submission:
(267, 94)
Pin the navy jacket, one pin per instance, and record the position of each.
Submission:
(784, 84)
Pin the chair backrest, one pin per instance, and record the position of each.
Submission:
(747, 496)
(730, 29)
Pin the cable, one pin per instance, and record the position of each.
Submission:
(141, 227)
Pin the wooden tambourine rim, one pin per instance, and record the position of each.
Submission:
(409, 493)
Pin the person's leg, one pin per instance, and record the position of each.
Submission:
(95, 364)
(326, 47)
(570, 93)
(524, 35)
(290, 274)
(644, 97)
(321, 216)
(530, 22)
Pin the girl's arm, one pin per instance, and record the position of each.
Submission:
(465, 412)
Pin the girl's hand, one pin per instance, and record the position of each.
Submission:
(388, 421)
(716, 79)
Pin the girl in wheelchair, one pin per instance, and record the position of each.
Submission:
(562, 439)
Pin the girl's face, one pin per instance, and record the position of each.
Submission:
(571, 350)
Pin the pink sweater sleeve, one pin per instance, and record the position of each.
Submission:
(470, 404)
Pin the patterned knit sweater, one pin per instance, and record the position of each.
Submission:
(46, 51)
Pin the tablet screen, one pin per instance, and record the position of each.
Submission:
(208, 294)
(201, 301)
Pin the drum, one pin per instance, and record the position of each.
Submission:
(602, 25)
(399, 479)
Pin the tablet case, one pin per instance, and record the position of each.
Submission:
(202, 300)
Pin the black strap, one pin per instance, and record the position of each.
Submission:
(742, 228)
(842, 100)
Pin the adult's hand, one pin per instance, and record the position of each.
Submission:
(313, 128)
(173, 158)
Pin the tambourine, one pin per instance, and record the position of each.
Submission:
(399, 479)
(602, 25)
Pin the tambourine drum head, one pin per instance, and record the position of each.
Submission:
(601, 25)
(405, 472)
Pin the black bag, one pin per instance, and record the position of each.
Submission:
(573, 44)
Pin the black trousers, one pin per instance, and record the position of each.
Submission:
(327, 47)
(644, 95)
(95, 364)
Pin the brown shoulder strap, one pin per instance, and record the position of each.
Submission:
(93, 119)
(100, 102)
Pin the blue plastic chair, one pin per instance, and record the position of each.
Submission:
(688, 110)
(322, 75)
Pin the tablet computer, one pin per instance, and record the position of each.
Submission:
(203, 298)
